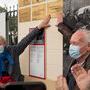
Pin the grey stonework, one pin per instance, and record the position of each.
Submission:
(71, 5)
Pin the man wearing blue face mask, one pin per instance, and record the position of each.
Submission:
(78, 53)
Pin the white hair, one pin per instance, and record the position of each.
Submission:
(87, 33)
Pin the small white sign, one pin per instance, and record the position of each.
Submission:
(37, 60)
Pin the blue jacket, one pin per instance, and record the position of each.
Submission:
(6, 55)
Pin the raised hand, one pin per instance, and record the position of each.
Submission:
(61, 83)
(45, 22)
(81, 76)
(60, 18)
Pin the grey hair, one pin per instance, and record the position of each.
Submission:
(87, 33)
(2, 39)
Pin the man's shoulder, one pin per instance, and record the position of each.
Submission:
(67, 59)
(87, 63)
(67, 62)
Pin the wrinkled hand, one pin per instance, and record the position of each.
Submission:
(45, 22)
(81, 76)
(60, 18)
(61, 83)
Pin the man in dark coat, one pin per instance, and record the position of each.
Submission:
(16, 50)
(78, 53)
(82, 78)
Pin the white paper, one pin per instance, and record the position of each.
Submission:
(37, 60)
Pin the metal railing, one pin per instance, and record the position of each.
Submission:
(12, 25)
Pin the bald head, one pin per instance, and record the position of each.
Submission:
(80, 36)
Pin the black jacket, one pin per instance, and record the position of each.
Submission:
(18, 49)
(67, 64)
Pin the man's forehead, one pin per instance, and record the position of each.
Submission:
(78, 35)
(79, 32)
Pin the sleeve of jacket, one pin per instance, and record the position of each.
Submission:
(20, 47)
(62, 28)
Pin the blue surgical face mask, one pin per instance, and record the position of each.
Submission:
(74, 51)
(1, 48)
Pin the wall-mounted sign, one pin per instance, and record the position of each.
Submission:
(24, 14)
(38, 12)
(37, 56)
(37, 61)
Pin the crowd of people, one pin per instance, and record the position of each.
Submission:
(9, 54)
(77, 38)
(76, 73)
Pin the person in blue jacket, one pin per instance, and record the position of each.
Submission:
(12, 52)
(5, 57)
